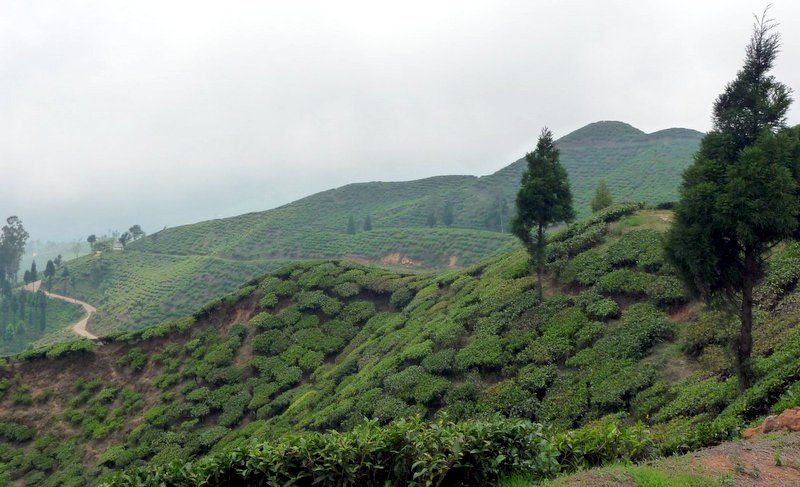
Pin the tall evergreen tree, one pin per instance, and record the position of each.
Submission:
(34, 272)
(602, 197)
(367, 223)
(431, 220)
(49, 272)
(42, 303)
(351, 226)
(740, 196)
(544, 199)
(13, 238)
(447, 213)
(65, 276)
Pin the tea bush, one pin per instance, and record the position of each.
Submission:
(438, 453)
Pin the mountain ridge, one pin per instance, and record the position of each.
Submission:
(636, 166)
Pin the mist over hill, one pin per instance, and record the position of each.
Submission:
(170, 272)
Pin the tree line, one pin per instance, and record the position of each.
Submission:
(104, 244)
(21, 313)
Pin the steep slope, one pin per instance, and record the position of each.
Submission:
(318, 345)
(637, 166)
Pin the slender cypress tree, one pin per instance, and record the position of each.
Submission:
(544, 199)
(740, 196)
(602, 197)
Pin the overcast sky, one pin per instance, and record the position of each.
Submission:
(164, 113)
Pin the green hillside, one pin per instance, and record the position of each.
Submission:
(212, 257)
(28, 318)
(324, 344)
(637, 167)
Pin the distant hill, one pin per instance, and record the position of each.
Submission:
(636, 166)
(168, 273)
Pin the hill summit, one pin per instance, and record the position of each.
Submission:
(434, 223)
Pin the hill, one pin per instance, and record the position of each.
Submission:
(131, 289)
(323, 344)
(28, 318)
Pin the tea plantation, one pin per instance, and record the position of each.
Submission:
(410, 230)
(322, 370)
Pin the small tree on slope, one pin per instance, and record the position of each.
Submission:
(740, 196)
(602, 197)
(543, 199)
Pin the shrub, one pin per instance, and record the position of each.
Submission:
(623, 281)
(268, 300)
(347, 289)
(588, 237)
(595, 445)
(512, 400)
(642, 327)
(441, 362)
(642, 248)
(536, 378)
(698, 396)
(416, 351)
(358, 311)
(400, 298)
(666, 291)
(587, 335)
(565, 402)
(616, 382)
(587, 268)
(410, 451)
(271, 342)
(483, 351)
(15, 432)
(596, 306)
(135, 359)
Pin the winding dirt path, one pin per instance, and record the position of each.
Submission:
(79, 327)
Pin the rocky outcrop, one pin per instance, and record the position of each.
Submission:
(788, 420)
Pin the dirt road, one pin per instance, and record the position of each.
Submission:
(78, 327)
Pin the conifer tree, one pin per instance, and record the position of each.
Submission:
(351, 226)
(49, 272)
(602, 197)
(431, 220)
(740, 196)
(544, 199)
(447, 213)
(367, 223)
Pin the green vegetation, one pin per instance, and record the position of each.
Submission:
(543, 200)
(32, 318)
(326, 345)
(739, 198)
(602, 197)
(429, 224)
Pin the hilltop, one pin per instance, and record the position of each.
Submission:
(171, 272)
(319, 345)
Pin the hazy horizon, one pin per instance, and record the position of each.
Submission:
(164, 115)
